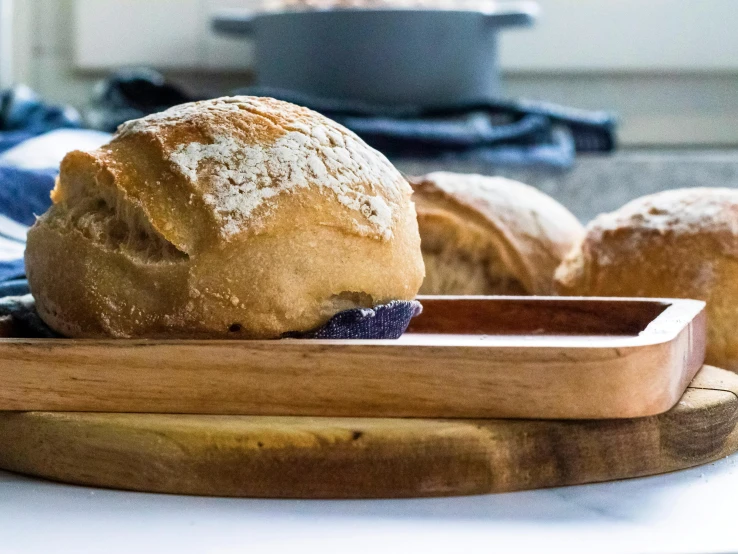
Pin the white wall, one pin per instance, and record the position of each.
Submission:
(628, 36)
(44, 56)
(669, 67)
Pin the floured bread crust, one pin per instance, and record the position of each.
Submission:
(490, 235)
(673, 244)
(238, 217)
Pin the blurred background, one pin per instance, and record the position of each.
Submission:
(669, 68)
(657, 81)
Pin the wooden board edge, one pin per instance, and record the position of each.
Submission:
(370, 458)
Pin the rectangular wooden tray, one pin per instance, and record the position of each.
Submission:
(470, 357)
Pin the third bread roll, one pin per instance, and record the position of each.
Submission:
(490, 235)
(674, 244)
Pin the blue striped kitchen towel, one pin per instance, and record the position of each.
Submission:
(496, 132)
(27, 173)
(34, 136)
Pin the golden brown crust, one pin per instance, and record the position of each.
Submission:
(490, 235)
(237, 217)
(674, 244)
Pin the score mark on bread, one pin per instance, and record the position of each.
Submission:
(276, 150)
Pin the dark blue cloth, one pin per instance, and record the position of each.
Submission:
(23, 115)
(497, 132)
(11, 270)
(24, 194)
(389, 321)
(25, 321)
(14, 287)
(481, 125)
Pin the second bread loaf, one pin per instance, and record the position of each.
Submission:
(490, 235)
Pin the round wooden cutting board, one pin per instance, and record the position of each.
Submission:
(302, 457)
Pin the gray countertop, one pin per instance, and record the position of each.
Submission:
(602, 183)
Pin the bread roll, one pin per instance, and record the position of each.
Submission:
(674, 244)
(238, 217)
(490, 235)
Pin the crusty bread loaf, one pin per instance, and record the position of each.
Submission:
(238, 217)
(674, 244)
(490, 235)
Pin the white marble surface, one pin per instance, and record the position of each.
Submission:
(690, 511)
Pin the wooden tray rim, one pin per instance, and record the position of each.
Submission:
(331, 378)
(678, 314)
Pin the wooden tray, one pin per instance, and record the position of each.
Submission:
(464, 357)
(323, 457)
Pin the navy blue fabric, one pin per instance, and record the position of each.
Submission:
(389, 321)
(130, 94)
(26, 322)
(13, 287)
(24, 194)
(498, 132)
(502, 133)
(11, 270)
(23, 115)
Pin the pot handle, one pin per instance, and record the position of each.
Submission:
(233, 22)
(505, 14)
(509, 14)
